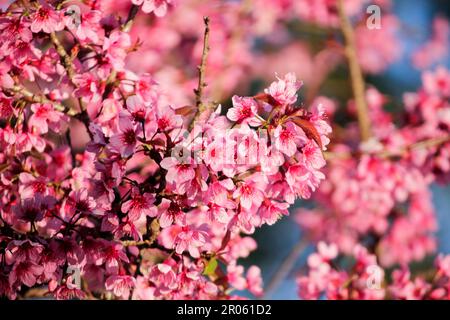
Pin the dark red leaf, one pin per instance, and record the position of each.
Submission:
(185, 111)
(309, 129)
(267, 98)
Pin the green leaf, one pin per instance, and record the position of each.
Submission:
(210, 268)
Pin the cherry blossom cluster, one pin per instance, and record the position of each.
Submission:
(102, 178)
(380, 196)
(172, 45)
(366, 280)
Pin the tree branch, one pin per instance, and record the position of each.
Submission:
(428, 143)
(201, 106)
(65, 58)
(355, 74)
(285, 267)
(130, 19)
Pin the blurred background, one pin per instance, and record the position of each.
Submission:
(277, 241)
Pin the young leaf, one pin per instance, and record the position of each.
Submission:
(309, 129)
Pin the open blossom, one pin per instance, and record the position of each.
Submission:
(121, 286)
(126, 140)
(177, 172)
(25, 272)
(47, 20)
(158, 7)
(284, 91)
(245, 110)
(140, 205)
(288, 138)
(45, 117)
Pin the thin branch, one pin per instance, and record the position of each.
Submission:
(130, 19)
(201, 106)
(286, 267)
(65, 58)
(355, 74)
(129, 243)
(35, 98)
(424, 144)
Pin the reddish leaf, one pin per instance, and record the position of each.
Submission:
(185, 111)
(309, 129)
(225, 240)
(267, 98)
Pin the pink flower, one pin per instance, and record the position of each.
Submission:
(177, 172)
(321, 260)
(170, 212)
(254, 281)
(164, 278)
(271, 211)
(245, 110)
(249, 195)
(30, 210)
(167, 119)
(25, 272)
(285, 90)
(288, 138)
(120, 285)
(158, 7)
(44, 116)
(140, 205)
(192, 241)
(235, 276)
(78, 202)
(31, 186)
(126, 140)
(47, 20)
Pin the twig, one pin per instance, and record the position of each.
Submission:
(428, 143)
(130, 19)
(286, 267)
(34, 98)
(201, 106)
(72, 151)
(355, 73)
(65, 58)
(433, 142)
(129, 243)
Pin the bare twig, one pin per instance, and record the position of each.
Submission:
(65, 58)
(428, 143)
(355, 74)
(201, 106)
(129, 243)
(35, 98)
(130, 19)
(286, 267)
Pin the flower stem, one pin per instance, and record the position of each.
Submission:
(355, 74)
(201, 106)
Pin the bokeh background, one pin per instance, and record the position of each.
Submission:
(277, 241)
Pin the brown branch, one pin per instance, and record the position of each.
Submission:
(201, 106)
(130, 19)
(66, 60)
(424, 144)
(286, 266)
(355, 74)
(428, 143)
(35, 98)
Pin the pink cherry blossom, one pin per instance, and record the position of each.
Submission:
(47, 20)
(245, 110)
(158, 7)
